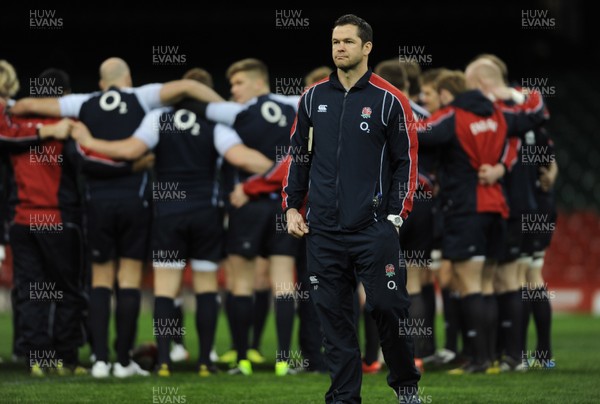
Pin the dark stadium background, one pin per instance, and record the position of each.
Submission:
(567, 55)
(452, 33)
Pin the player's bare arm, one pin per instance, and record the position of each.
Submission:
(129, 148)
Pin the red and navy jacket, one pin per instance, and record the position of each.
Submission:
(264, 184)
(474, 132)
(353, 152)
(43, 174)
(270, 181)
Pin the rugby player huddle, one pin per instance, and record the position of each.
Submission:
(103, 183)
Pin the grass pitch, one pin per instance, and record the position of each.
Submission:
(574, 379)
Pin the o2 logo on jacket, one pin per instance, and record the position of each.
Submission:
(365, 114)
(364, 126)
(110, 100)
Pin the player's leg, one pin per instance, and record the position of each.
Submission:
(522, 268)
(103, 279)
(465, 244)
(178, 315)
(178, 352)
(206, 250)
(169, 251)
(207, 310)
(429, 299)
(451, 310)
(248, 226)
(490, 306)
(469, 280)
(417, 307)
(262, 305)
(242, 304)
(229, 356)
(507, 288)
(64, 256)
(134, 230)
(101, 234)
(540, 307)
(167, 279)
(129, 278)
(411, 236)
(510, 310)
(33, 306)
(283, 279)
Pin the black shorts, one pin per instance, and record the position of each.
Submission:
(118, 229)
(259, 229)
(178, 238)
(537, 231)
(416, 234)
(438, 223)
(513, 242)
(471, 235)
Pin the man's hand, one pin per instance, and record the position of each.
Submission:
(295, 223)
(144, 163)
(238, 197)
(489, 175)
(59, 130)
(548, 177)
(81, 134)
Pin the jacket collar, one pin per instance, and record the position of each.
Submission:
(361, 83)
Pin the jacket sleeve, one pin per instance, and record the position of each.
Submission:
(437, 129)
(101, 166)
(403, 147)
(295, 182)
(522, 118)
(15, 137)
(271, 181)
(510, 155)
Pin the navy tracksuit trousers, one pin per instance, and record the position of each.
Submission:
(375, 253)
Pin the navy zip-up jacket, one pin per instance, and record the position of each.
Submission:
(353, 152)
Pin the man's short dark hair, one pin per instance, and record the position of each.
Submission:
(365, 32)
(60, 78)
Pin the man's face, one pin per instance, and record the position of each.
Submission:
(347, 48)
(430, 98)
(244, 86)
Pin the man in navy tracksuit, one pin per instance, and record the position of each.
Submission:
(354, 145)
